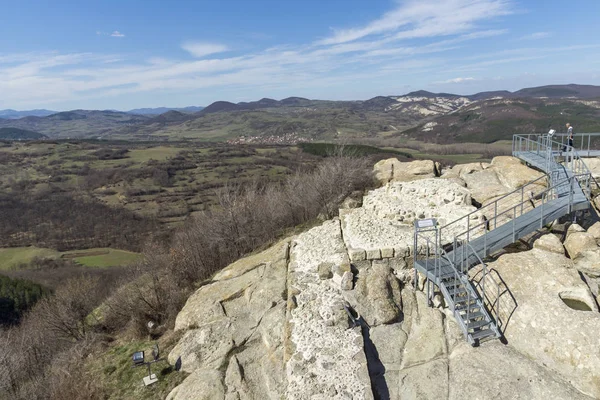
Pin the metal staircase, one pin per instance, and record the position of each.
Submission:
(445, 254)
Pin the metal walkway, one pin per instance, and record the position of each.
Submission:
(444, 255)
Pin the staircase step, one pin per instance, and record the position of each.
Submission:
(472, 315)
(463, 307)
(483, 334)
(478, 324)
(459, 291)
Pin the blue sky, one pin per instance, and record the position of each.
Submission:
(106, 54)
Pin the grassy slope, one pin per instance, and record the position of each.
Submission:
(12, 257)
(115, 374)
(99, 258)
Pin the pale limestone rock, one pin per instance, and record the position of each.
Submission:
(573, 228)
(245, 310)
(424, 381)
(542, 327)
(373, 254)
(588, 262)
(579, 242)
(387, 252)
(386, 219)
(377, 295)
(594, 230)
(426, 339)
(388, 342)
(392, 170)
(357, 254)
(512, 173)
(202, 384)
(460, 170)
(328, 359)
(346, 282)
(243, 265)
(593, 165)
(497, 371)
(325, 270)
(485, 185)
(549, 243)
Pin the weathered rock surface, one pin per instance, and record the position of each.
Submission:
(243, 312)
(276, 324)
(386, 219)
(594, 230)
(328, 360)
(551, 243)
(496, 371)
(377, 295)
(392, 170)
(542, 326)
(593, 165)
(504, 175)
(579, 241)
(461, 170)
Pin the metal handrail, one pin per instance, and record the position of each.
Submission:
(495, 201)
(572, 156)
(497, 318)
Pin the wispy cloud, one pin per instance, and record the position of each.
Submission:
(418, 19)
(456, 80)
(198, 49)
(116, 34)
(380, 55)
(536, 36)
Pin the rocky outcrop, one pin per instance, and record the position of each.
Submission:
(583, 249)
(331, 312)
(384, 226)
(236, 324)
(392, 170)
(551, 243)
(327, 357)
(548, 324)
(502, 176)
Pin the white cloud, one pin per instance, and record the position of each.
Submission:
(425, 18)
(536, 36)
(198, 49)
(355, 63)
(457, 80)
(112, 34)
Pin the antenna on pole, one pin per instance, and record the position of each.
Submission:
(139, 360)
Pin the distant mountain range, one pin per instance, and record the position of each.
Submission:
(439, 117)
(19, 134)
(162, 110)
(14, 114)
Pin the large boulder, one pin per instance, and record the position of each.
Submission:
(548, 324)
(588, 262)
(392, 170)
(461, 170)
(504, 175)
(513, 174)
(551, 243)
(579, 241)
(485, 185)
(593, 165)
(594, 230)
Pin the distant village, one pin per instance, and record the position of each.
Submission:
(287, 139)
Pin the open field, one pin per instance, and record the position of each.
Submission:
(12, 258)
